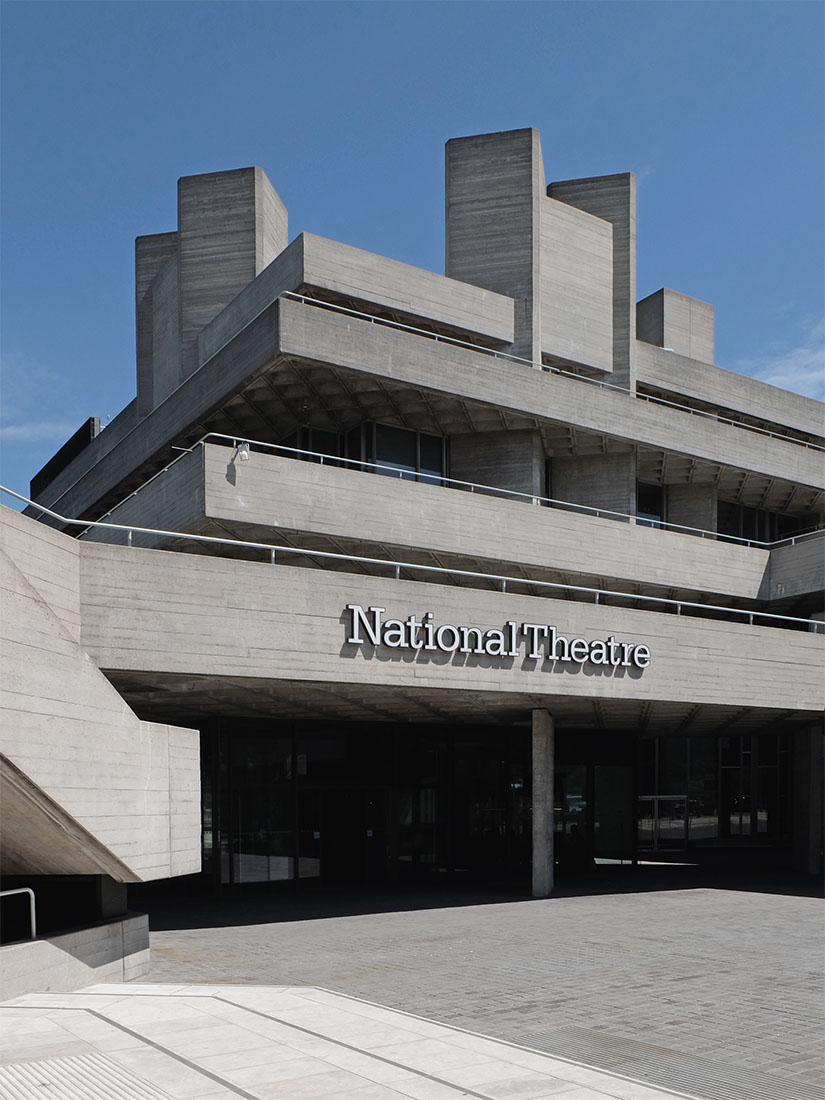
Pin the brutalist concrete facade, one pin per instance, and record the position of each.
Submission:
(355, 498)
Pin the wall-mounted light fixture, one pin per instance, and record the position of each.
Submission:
(243, 452)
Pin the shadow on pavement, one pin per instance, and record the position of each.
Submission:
(191, 902)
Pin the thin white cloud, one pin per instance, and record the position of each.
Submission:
(800, 368)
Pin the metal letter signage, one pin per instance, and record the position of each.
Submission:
(538, 641)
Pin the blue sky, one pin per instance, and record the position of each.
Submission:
(718, 108)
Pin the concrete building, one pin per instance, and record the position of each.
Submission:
(490, 573)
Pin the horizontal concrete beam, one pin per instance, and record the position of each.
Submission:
(285, 494)
(292, 328)
(323, 336)
(353, 273)
(151, 611)
(680, 375)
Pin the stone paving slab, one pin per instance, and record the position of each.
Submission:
(147, 1042)
(726, 983)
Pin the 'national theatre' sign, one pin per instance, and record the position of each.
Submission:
(535, 641)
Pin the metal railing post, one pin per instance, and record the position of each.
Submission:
(32, 915)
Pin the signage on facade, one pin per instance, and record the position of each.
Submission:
(534, 641)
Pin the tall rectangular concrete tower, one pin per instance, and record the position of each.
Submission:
(230, 226)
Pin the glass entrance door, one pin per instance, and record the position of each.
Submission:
(662, 823)
(613, 812)
(342, 834)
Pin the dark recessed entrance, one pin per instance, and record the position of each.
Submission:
(348, 804)
(365, 803)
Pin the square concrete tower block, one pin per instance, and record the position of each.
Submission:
(553, 249)
(671, 320)
(231, 225)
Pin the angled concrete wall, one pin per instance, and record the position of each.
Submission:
(797, 569)
(576, 277)
(115, 951)
(133, 786)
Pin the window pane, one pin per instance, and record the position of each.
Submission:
(431, 454)
(650, 503)
(728, 518)
(325, 443)
(395, 447)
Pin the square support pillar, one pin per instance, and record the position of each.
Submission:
(809, 799)
(543, 785)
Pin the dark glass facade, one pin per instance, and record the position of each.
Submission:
(378, 802)
(364, 803)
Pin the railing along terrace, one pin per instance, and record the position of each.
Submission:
(498, 580)
(467, 486)
(717, 418)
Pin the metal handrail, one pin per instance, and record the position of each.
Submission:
(32, 916)
(548, 368)
(397, 566)
(491, 490)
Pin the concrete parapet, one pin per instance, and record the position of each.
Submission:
(314, 264)
(117, 951)
(796, 569)
(145, 611)
(676, 374)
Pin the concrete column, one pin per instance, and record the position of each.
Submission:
(692, 505)
(543, 778)
(600, 481)
(512, 460)
(808, 801)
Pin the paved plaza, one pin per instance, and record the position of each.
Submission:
(715, 992)
(693, 990)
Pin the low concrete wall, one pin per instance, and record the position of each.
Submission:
(117, 951)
